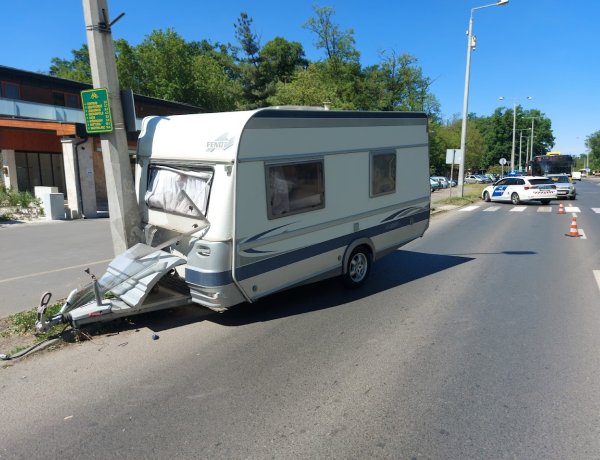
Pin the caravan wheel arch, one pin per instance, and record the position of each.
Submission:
(352, 246)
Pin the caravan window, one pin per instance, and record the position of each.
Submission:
(178, 191)
(383, 173)
(294, 188)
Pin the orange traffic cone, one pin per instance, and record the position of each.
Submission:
(561, 209)
(573, 231)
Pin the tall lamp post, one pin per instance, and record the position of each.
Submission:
(512, 153)
(520, 147)
(471, 41)
(531, 144)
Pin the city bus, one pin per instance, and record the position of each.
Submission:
(542, 165)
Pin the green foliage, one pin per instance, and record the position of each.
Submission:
(77, 69)
(24, 322)
(10, 197)
(339, 46)
(497, 132)
(592, 143)
(309, 87)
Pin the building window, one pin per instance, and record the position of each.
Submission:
(383, 173)
(58, 99)
(72, 100)
(294, 188)
(9, 90)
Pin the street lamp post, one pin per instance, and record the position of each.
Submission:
(521, 149)
(471, 41)
(512, 154)
(531, 145)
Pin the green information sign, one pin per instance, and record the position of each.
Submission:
(96, 110)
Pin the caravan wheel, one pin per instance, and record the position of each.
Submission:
(359, 267)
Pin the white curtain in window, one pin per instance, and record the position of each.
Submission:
(177, 191)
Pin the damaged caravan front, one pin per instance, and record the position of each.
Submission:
(245, 204)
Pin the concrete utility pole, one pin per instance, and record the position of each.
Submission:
(125, 218)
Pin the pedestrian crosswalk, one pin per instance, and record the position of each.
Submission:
(528, 209)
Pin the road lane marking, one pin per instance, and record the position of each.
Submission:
(572, 209)
(596, 210)
(468, 208)
(6, 280)
(545, 209)
(597, 276)
(582, 234)
(493, 208)
(518, 209)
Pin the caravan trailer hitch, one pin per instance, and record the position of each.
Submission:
(43, 324)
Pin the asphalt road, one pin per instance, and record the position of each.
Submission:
(479, 340)
(49, 256)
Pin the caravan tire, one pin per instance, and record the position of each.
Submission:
(358, 267)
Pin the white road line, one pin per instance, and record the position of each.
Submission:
(6, 280)
(597, 276)
(493, 208)
(468, 208)
(582, 234)
(572, 209)
(545, 209)
(596, 210)
(518, 209)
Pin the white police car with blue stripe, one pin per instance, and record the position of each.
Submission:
(521, 188)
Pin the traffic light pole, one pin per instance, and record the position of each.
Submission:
(125, 218)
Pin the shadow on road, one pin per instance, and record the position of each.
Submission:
(392, 271)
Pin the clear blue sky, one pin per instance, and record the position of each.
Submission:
(547, 49)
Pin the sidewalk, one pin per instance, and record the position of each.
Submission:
(443, 194)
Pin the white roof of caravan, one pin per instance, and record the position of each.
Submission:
(215, 137)
(209, 136)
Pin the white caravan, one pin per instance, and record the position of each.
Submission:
(243, 204)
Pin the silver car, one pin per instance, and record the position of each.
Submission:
(565, 188)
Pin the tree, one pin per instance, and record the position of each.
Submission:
(247, 38)
(309, 87)
(164, 63)
(402, 85)
(248, 65)
(216, 91)
(77, 69)
(339, 46)
(446, 135)
(278, 61)
(592, 143)
(497, 131)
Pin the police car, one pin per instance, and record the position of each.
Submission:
(521, 188)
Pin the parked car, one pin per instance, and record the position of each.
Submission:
(452, 182)
(565, 188)
(434, 184)
(442, 180)
(518, 189)
(474, 179)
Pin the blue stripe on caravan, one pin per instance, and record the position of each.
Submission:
(208, 279)
(215, 279)
(273, 263)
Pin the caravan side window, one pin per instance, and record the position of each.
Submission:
(383, 173)
(294, 188)
(179, 191)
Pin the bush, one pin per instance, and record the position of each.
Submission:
(9, 197)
